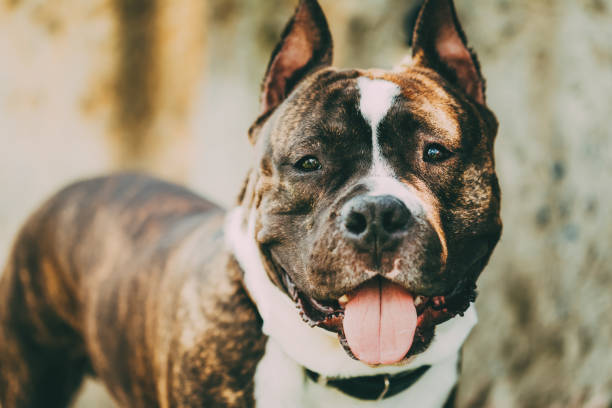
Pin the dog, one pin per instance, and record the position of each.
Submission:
(344, 277)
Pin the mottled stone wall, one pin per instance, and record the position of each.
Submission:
(175, 89)
(545, 336)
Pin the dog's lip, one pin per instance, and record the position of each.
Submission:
(420, 302)
(322, 313)
(431, 311)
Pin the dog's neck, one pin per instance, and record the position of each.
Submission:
(294, 343)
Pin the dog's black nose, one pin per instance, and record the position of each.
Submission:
(375, 222)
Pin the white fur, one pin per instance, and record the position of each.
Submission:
(293, 344)
(280, 382)
(376, 98)
(390, 185)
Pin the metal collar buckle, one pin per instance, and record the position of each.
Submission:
(385, 389)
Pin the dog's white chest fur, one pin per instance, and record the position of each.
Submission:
(280, 380)
(281, 383)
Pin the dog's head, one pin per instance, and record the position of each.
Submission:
(375, 197)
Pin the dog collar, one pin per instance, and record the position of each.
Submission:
(372, 388)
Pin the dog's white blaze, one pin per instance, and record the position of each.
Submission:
(376, 97)
(293, 344)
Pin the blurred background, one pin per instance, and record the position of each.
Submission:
(171, 86)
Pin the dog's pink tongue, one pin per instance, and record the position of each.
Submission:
(379, 322)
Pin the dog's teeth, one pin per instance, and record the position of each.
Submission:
(418, 300)
(439, 301)
(344, 299)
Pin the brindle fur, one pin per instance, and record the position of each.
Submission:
(126, 278)
(462, 195)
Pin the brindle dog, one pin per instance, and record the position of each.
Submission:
(373, 207)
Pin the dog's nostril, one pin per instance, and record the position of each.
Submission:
(395, 220)
(375, 219)
(356, 223)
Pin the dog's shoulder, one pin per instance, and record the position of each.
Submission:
(218, 343)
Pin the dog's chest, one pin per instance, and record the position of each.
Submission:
(280, 382)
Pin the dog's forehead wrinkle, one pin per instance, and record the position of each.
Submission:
(431, 101)
(440, 117)
(323, 110)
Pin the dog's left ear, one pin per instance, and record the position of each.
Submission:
(305, 46)
(438, 42)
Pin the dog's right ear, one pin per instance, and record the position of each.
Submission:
(305, 46)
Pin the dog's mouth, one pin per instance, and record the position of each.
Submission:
(380, 322)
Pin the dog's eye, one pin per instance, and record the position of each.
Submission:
(435, 153)
(308, 163)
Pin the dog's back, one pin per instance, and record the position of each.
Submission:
(129, 238)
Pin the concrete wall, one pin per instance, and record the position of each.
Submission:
(171, 87)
